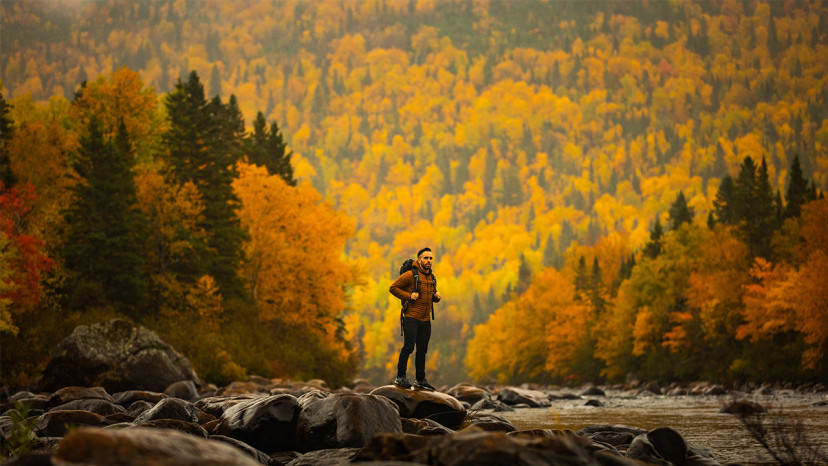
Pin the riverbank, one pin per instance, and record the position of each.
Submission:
(275, 422)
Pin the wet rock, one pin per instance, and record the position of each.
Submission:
(743, 408)
(257, 455)
(118, 418)
(97, 406)
(491, 423)
(495, 405)
(68, 394)
(142, 446)
(421, 404)
(666, 446)
(127, 398)
(186, 427)
(217, 405)
(58, 423)
(593, 391)
(594, 403)
(184, 389)
(267, 423)
(326, 457)
(424, 427)
(169, 408)
(139, 407)
(115, 355)
(515, 396)
(345, 420)
(468, 393)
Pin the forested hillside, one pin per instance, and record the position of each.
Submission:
(610, 188)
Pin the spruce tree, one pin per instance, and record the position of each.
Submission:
(797, 190)
(205, 142)
(680, 212)
(106, 230)
(723, 205)
(653, 247)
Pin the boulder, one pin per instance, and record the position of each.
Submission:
(424, 427)
(142, 446)
(326, 457)
(515, 396)
(58, 423)
(102, 407)
(492, 423)
(258, 455)
(67, 394)
(267, 423)
(184, 389)
(127, 398)
(169, 408)
(115, 355)
(345, 420)
(186, 427)
(666, 446)
(468, 393)
(593, 391)
(217, 405)
(421, 404)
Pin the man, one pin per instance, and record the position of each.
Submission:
(416, 321)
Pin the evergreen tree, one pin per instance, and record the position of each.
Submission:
(215, 82)
(524, 275)
(204, 142)
(653, 247)
(797, 190)
(267, 147)
(7, 176)
(680, 212)
(723, 205)
(599, 303)
(106, 231)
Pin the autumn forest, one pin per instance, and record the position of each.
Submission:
(612, 190)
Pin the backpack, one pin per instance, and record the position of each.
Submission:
(406, 266)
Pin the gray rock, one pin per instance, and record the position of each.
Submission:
(169, 408)
(102, 407)
(115, 355)
(515, 396)
(67, 394)
(142, 446)
(666, 446)
(267, 423)
(345, 420)
(184, 389)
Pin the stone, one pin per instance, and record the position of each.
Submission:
(57, 423)
(66, 394)
(217, 405)
(491, 423)
(666, 446)
(184, 389)
(115, 355)
(258, 455)
(169, 408)
(267, 423)
(515, 396)
(97, 406)
(326, 457)
(186, 427)
(142, 446)
(421, 404)
(345, 421)
(468, 393)
(593, 391)
(127, 398)
(424, 427)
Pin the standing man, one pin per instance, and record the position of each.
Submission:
(416, 323)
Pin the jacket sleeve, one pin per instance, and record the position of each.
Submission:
(401, 286)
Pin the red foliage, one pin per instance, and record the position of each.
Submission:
(28, 261)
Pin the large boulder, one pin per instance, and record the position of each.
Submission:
(345, 421)
(267, 423)
(421, 404)
(117, 356)
(141, 446)
(666, 446)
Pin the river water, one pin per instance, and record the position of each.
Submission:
(696, 418)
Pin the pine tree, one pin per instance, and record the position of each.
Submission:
(267, 147)
(723, 205)
(797, 190)
(524, 276)
(679, 212)
(653, 247)
(106, 231)
(204, 142)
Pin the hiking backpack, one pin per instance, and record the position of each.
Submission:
(406, 266)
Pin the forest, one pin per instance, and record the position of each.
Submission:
(612, 190)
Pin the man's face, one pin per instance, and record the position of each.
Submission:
(426, 259)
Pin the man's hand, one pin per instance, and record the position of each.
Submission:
(414, 296)
(438, 295)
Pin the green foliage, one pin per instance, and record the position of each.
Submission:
(21, 437)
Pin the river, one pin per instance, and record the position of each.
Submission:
(696, 418)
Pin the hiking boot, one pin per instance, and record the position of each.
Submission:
(423, 385)
(402, 382)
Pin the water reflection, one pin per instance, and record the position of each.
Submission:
(696, 418)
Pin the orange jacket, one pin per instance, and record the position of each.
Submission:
(404, 286)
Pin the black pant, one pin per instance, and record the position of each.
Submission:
(416, 332)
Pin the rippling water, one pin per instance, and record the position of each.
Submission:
(696, 418)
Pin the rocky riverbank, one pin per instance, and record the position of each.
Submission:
(101, 404)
